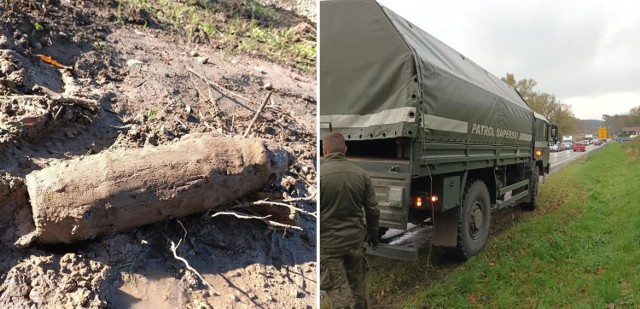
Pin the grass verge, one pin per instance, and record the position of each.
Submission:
(234, 26)
(580, 249)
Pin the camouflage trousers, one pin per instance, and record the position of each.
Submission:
(342, 274)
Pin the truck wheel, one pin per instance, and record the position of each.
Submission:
(473, 230)
(533, 186)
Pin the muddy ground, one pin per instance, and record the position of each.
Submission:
(392, 288)
(118, 83)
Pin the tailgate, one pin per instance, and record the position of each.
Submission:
(392, 182)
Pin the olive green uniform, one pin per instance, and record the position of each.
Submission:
(347, 199)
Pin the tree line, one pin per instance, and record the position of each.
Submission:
(560, 114)
(544, 103)
(615, 123)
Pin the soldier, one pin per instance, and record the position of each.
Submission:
(347, 199)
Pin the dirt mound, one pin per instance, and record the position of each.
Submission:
(79, 78)
(55, 281)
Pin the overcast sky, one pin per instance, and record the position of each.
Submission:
(586, 52)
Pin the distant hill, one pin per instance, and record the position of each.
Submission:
(589, 126)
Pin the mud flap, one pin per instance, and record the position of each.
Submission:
(445, 228)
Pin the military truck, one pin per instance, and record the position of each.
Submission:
(443, 140)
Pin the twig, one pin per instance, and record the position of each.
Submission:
(58, 113)
(264, 103)
(195, 86)
(181, 123)
(304, 198)
(174, 247)
(61, 98)
(213, 101)
(276, 203)
(263, 219)
(124, 127)
(140, 84)
(85, 116)
(218, 86)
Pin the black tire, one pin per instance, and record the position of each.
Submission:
(533, 185)
(473, 230)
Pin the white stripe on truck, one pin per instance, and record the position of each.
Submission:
(387, 116)
(444, 124)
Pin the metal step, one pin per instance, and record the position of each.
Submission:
(395, 252)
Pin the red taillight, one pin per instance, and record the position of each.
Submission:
(422, 201)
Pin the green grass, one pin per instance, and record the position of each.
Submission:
(152, 113)
(580, 249)
(242, 26)
(38, 26)
(119, 15)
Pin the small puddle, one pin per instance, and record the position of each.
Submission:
(150, 286)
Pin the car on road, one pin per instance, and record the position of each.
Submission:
(579, 146)
(598, 142)
(556, 147)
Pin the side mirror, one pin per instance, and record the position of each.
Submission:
(554, 133)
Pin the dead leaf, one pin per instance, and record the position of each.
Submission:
(472, 297)
(51, 61)
(492, 262)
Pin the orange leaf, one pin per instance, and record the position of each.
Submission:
(51, 61)
(472, 297)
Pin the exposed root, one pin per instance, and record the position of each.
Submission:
(263, 219)
(174, 247)
(280, 203)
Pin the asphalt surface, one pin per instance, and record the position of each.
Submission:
(560, 159)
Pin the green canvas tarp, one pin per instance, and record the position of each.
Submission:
(382, 77)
